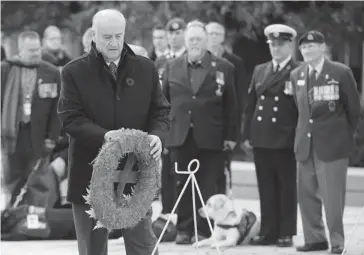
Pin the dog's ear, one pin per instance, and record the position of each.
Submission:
(218, 203)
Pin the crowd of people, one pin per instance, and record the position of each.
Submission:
(193, 96)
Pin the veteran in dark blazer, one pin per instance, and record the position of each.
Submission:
(329, 106)
(103, 91)
(200, 88)
(270, 122)
(29, 122)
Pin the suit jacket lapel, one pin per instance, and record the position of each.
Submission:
(306, 89)
(271, 83)
(184, 72)
(267, 75)
(206, 71)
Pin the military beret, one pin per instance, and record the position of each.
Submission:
(175, 24)
(279, 32)
(312, 36)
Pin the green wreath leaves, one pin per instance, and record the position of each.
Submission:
(124, 211)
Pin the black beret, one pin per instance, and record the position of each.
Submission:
(175, 24)
(312, 36)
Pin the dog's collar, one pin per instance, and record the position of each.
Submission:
(225, 226)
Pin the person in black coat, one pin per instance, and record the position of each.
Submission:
(270, 123)
(200, 87)
(103, 91)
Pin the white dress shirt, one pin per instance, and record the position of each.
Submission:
(318, 68)
(282, 64)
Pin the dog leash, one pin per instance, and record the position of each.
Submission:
(227, 171)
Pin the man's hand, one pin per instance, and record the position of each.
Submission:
(49, 145)
(59, 167)
(111, 135)
(229, 145)
(156, 147)
(247, 145)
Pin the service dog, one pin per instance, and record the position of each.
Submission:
(231, 227)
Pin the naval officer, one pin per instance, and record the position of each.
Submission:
(270, 122)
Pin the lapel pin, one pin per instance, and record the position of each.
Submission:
(326, 76)
(130, 82)
(213, 63)
(302, 74)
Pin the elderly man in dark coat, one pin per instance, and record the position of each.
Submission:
(101, 92)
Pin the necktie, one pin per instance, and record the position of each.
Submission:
(114, 70)
(311, 83)
(276, 69)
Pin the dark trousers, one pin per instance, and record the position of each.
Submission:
(211, 165)
(222, 179)
(168, 189)
(139, 240)
(277, 183)
(18, 166)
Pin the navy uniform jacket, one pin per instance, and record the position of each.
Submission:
(271, 113)
(44, 120)
(92, 103)
(212, 115)
(330, 122)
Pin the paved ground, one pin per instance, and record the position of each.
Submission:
(355, 241)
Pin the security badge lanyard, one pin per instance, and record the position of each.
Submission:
(220, 80)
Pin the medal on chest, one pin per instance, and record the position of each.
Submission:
(220, 80)
(27, 108)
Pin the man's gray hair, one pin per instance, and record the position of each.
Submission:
(214, 23)
(50, 29)
(196, 23)
(105, 13)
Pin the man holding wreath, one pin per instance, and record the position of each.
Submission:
(103, 91)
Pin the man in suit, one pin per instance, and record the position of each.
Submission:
(329, 107)
(200, 88)
(216, 36)
(102, 92)
(30, 126)
(160, 43)
(270, 122)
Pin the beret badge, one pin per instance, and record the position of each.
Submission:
(175, 26)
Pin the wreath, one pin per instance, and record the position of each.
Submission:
(115, 210)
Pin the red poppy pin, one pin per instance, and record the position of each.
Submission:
(130, 82)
